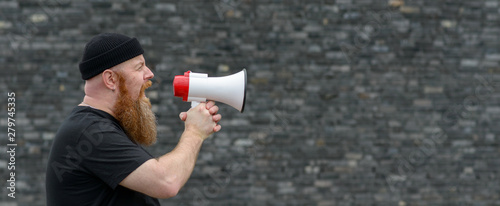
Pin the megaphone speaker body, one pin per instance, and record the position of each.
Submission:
(198, 87)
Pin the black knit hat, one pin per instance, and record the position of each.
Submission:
(107, 50)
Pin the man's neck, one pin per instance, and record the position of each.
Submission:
(97, 104)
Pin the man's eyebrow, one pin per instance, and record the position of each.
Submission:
(140, 63)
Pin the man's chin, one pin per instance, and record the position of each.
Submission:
(146, 101)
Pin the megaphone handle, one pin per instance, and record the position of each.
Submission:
(194, 103)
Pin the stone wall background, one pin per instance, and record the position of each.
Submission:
(349, 102)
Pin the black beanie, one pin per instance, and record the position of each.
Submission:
(107, 50)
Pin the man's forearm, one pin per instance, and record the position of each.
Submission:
(163, 177)
(179, 163)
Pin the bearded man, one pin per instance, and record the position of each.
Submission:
(97, 156)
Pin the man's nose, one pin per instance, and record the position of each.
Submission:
(149, 74)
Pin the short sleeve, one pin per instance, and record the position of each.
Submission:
(108, 153)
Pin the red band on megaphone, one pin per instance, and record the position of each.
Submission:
(181, 85)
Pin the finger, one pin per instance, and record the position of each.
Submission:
(217, 128)
(214, 110)
(183, 116)
(216, 118)
(210, 104)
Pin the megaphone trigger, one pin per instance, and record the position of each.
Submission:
(198, 87)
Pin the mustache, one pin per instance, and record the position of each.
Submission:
(144, 87)
(147, 85)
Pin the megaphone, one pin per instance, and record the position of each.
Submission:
(198, 87)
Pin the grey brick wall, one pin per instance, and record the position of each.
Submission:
(349, 102)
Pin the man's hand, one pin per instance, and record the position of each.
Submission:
(202, 119)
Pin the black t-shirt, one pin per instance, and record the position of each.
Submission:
(90, 156)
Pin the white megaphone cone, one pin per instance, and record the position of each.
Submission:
(198, 87)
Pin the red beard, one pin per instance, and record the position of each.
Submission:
(136, 117)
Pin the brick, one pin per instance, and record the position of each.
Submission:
(492, 57)
(493, 110)
(243, 142)
(491, 4)
(409, 9)
(323, 183)
(448, 24)
(396, 3)
(31, 135)
(353, 156)
(48, 135)
(5, 24)
(422, 103)
(433, 89)
(9, 5)
(166, 7)
(469, 63)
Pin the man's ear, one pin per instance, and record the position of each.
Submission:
(110, 79)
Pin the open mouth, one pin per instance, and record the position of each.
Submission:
(144, 87)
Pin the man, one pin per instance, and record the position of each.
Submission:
(97, 158)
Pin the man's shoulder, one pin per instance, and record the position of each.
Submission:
(86, 119)
(89, 116)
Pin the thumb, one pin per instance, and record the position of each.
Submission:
(183, 116)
